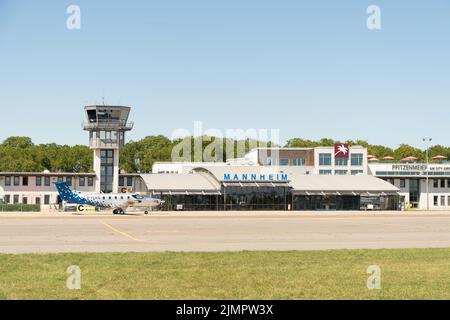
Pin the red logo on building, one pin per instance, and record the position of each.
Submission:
(341, 150)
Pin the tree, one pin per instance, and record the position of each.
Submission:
(18, 142)
(439, 150)
(405, 150)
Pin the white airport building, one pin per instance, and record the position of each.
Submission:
(412, 178)
(322, 178)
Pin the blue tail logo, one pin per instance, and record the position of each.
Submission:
(67, 195)
(64, 190)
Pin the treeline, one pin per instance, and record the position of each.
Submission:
(401, 152)
(139, 156)
(20, 154)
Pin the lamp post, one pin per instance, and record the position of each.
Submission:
(428, 140)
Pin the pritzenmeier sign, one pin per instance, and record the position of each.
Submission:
(419, 167)
(409, 167)
(418, 170)
(242, 177)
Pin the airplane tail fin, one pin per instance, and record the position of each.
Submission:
(64, 190)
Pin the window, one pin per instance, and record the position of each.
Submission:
(60, 179)
(25, 181)
(47, 181)
(443, 201)
(82, 181)
(284, 162)
(298, 162)
(340, 172)
(121, 181)
(435, 183)
(7, 181)
(325, 172)
(69, 181)
(341, 162)
(106, 170)
(38, 200)
(357, 159)
(38, 181)
(402, 183)
(7, 199)
(47, 199)
(16, 199)
(90, 182)
(25, 200)
(436, 201)
(356, 172)
(325, 159)
(130, 181)
(271, 162)
(443, 183)
(17, 181)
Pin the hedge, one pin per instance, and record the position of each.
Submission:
(20, 208)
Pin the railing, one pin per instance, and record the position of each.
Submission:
(105, 143)
(108, 125)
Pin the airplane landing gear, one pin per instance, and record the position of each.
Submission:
(146, 212)
(115, 211)
(118, 211)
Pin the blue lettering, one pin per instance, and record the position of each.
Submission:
(254, 177)
(262, 177)
(236, 177)
(227, 177)
(244, 177)
(270, 177)
(284, 177)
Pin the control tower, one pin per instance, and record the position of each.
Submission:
(107, 126)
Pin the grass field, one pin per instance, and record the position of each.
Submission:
(406, 274)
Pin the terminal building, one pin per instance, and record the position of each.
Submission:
(322, 178)
(412, 179)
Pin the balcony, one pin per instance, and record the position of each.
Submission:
(97, 143)
(119, 125)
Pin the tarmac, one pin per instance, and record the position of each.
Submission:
(221, 231)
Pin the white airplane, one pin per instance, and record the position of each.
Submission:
(119, 202)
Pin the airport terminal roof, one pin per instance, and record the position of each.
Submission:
(209, 181)
(347, 184)
(181, 183)
(219, 171)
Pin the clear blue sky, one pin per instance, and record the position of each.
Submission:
(310, 68)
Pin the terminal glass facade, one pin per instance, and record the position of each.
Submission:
(345, 202)
(191, 202)
(232, 198)
(256, 197)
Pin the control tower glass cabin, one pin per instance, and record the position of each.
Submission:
(107, 126)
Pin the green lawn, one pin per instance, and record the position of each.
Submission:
(406, 274)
